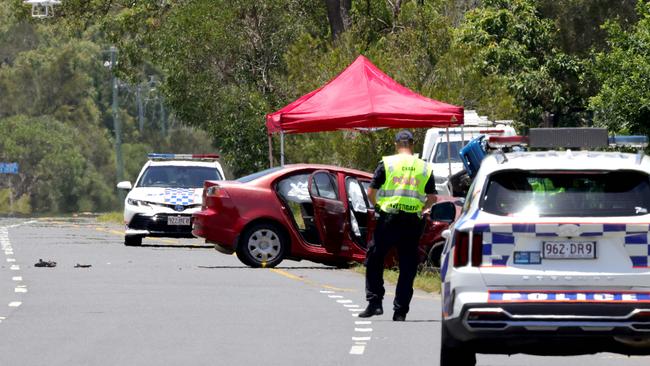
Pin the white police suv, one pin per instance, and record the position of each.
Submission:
(168, 190)
(551, 253)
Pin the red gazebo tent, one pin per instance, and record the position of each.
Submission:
(361, 96)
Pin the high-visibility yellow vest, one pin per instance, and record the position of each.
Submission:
(403, 190)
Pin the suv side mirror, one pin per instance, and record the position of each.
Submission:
(126, 185)
(444, 211)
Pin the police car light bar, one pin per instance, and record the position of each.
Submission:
(157, 156)
(631, 141)
(491, 132)
(507, 141)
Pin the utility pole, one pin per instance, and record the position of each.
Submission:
(116, 119)
(163, 116)
(138, 96)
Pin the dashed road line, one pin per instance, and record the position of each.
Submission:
(5, 243)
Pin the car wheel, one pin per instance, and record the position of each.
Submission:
(262, 245)
(433, 257)
(452, 352)
(132, 241)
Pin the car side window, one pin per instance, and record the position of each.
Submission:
(324, 185)
(356, 197)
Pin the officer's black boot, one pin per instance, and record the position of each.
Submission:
(399, 316)
(371, 309)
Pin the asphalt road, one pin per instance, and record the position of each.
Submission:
(173, 302)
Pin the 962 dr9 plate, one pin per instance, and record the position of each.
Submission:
(569, 249)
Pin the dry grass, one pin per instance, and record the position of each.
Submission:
(427, 280)
(111, 217)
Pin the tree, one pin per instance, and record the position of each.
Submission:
(338, 14)
(511, 40)
(53, 171)
(623, 102)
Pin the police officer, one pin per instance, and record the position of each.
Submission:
(402, 190)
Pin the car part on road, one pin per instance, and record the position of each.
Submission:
(42, 263)
(262, 245)
(132, 241)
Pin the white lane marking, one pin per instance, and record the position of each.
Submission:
(361, 343)
(357, 350)
(361, 338)
(356, 315)
(344, 301)
(335, 296)
(20, 289)
(326, 292)
(15, 304)
(15, 267)
(11, 260)
(351, 306)
(355, 309)
(363, 330)
(362, 322)
(17, 278)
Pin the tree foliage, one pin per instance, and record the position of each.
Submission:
(623, 102)
(223, 65)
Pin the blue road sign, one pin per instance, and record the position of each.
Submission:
(8, 168)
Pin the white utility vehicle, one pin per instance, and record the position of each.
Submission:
(168, 190)
(442, 146)
(551, 253)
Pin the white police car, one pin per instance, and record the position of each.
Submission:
(551, 256)
(168, 190)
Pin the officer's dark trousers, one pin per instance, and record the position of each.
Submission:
(403, 231)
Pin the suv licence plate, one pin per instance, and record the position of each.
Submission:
(569, 249)
(178, 220)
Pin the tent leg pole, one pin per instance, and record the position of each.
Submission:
(270, 151)
(282, 148)
(448, 155)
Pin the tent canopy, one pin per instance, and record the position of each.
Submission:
(362, 96)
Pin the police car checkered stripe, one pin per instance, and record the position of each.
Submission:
(179, 196)
(498, 239)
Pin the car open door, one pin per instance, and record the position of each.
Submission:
(329, 210)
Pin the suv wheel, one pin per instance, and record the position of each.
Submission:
(262, 245)
(452, 352)
(132, 241)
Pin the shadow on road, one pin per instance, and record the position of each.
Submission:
(246, 267)
(186, 246)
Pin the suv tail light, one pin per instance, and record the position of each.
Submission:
(461, 248)
(461, 251)
(477, 249)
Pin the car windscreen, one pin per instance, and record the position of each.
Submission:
(170, 176)
(251, 177)
(567, 193)
(441, 154)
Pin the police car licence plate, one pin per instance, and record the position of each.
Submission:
(569, 249)
(178, 220)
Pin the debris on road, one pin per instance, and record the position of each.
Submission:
(82, 265)
(42, 263)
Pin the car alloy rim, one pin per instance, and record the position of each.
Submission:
(264, 245)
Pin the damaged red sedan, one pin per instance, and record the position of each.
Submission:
(316, 212)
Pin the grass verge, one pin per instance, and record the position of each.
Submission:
(111, 217)
(427, 279)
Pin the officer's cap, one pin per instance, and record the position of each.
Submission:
(404, 136)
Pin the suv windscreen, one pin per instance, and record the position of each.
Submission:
(567, 193)
(169, 176)
(440, 156)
